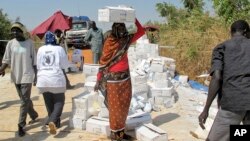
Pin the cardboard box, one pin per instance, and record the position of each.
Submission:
(138, 79)
(91, 79)
(149, 132)
(157, 65)
(161, 92)
(81, 114)
(165, 101)
(140, 88)
(137, 119)
(80, 101)
(90, 69)
(76, 58)
(116, 14)
(89, 86)
(98, 125)
(77, 123)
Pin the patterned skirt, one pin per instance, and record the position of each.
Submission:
(119, 94)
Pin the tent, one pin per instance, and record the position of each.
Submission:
(57, 21)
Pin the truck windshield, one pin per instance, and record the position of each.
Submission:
(78, 26)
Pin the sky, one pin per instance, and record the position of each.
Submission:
(34, 12)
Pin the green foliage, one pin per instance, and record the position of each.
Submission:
(231, 10)
(191, 5)
(193, 34)
(5, 25)
(172, 14)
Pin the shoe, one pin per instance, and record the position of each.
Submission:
(58, 123)
(33, 119)
(52, 128)
(127, 137)
(21, 132)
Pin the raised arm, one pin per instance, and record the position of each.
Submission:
(140, 31)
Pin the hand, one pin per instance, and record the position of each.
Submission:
(96, 86)
(202, 118)
(2, 72)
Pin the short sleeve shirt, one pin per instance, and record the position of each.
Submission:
(232, 57)
(50, 62)
(21, 57)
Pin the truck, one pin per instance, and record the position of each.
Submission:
(75, 36)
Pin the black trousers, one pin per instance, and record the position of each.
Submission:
(24, 92)
(54, 104)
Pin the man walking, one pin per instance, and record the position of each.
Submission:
(230, 73)
(20, 55)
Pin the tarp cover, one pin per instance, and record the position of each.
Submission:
(57, 21)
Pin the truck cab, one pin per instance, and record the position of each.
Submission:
(75, 36)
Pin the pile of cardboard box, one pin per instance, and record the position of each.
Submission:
(151, 86)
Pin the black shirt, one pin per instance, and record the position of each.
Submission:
(232, 57)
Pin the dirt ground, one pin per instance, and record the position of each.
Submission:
(177, 121)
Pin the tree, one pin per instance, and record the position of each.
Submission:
(172, 14)
(5, 25)
(193, 4)
(231, 10)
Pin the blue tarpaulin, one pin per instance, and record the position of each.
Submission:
(198, 86)
(195, 85)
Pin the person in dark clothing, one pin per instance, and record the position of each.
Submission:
(230, 71)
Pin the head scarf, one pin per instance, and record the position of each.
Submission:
(115, 27)
(50, 38)
(22, 28)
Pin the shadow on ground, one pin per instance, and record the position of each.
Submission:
(7, 104)
(162, 119)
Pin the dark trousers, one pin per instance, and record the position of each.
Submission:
(54, 104)
(24, 92)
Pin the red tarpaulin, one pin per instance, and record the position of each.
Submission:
(57, 21)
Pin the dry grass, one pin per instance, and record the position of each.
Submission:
(193, 49)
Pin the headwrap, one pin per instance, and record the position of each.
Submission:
(22, 28)
(50, 38)
(115, 27)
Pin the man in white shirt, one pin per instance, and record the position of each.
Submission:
(20, 55)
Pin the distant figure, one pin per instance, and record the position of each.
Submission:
(20, 55)
(60, 42)
(60, 39)
(230, 71)
(113, 78)
(95, 37)
(51, 82)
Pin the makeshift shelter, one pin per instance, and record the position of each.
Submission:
(57, 21)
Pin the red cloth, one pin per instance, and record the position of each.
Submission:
(119, 96)
(57, 21)
(123, 65)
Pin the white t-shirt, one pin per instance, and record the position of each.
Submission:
(21, 57)
(51, 60)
